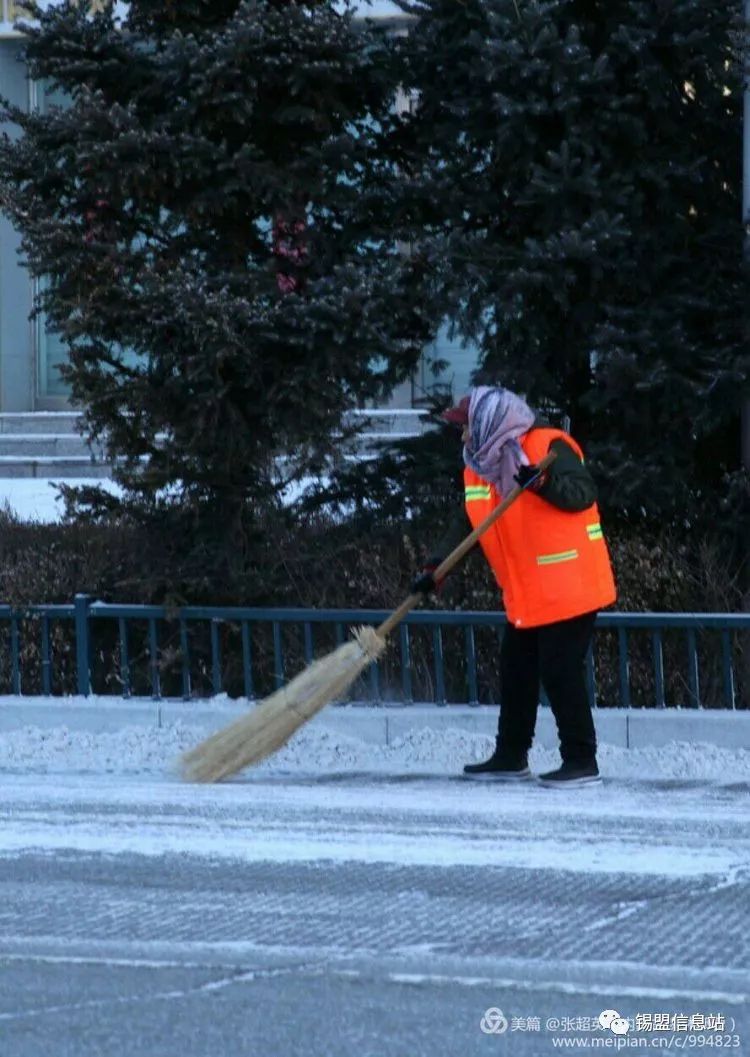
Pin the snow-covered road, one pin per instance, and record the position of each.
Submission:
(353, 911)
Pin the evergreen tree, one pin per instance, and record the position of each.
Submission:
(214, 227)
(575, 191)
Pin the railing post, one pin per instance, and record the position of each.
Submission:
(14, 653)
(82, 603)
(471, 665)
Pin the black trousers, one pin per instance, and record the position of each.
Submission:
(553, 655)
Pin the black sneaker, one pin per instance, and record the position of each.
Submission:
(571, 775)
(502, 767)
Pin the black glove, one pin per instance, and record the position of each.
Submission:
(526, 474)
(425, 582)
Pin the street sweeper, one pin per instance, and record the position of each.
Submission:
(551, 562)
(273, 721)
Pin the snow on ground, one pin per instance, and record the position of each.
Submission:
(37, 498)
(347, 897)
(154, 751)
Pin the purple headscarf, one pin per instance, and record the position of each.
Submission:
(497, 418)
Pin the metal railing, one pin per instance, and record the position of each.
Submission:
(651, 659)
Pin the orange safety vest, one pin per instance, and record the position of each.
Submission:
(550, 564)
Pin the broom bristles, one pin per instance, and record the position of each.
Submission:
(272, 722)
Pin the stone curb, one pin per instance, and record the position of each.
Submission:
(627, 728)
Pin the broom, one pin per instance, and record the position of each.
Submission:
(272, 722)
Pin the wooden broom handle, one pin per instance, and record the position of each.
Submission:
(462, 549)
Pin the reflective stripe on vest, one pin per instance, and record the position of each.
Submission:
(594, 532)
(476, 492)
(553, 559)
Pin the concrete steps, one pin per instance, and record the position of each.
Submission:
(47, 444)
(37, 422)
(382, 426)
(41, 445)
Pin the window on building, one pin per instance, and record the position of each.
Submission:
(445, 367)
(51, 353)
